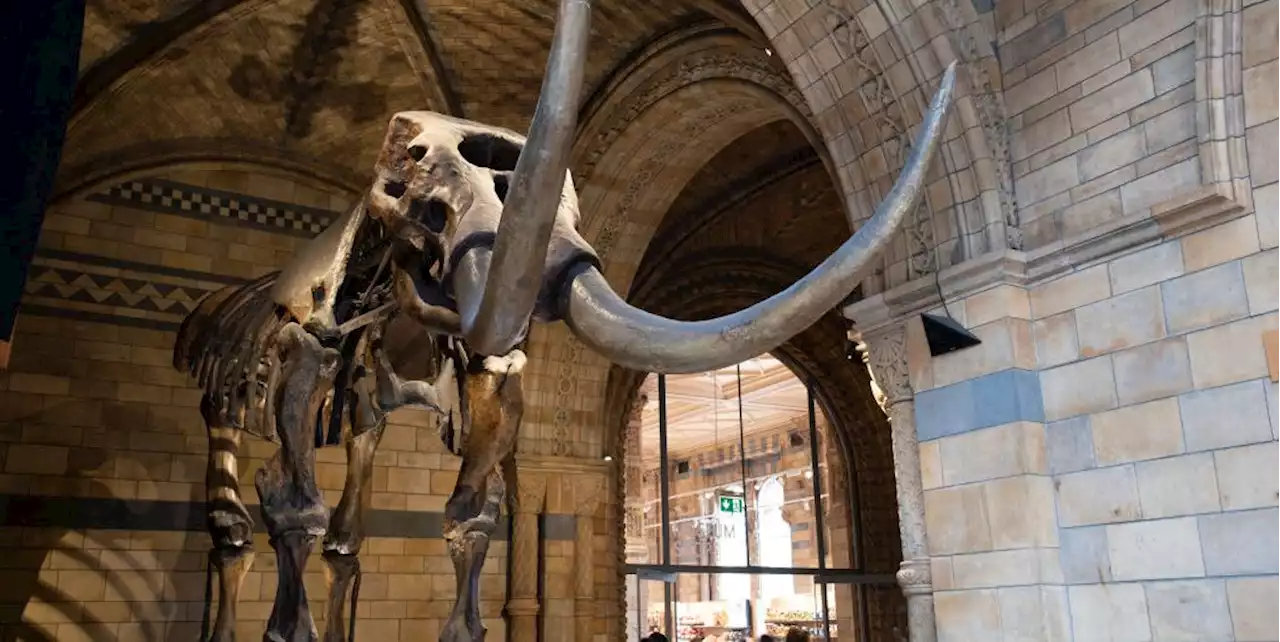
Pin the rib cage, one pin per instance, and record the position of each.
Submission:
(222, 344)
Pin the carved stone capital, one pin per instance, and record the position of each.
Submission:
(915, 577)
(885, 353)
(530, 494)
(588, 490)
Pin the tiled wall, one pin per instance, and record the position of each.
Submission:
(102, 449)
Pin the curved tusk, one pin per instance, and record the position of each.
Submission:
(647, 342)
(493, 322)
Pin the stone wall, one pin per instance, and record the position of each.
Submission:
(1103, 465)
(102, 449)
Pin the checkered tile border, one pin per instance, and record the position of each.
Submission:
(191, 201)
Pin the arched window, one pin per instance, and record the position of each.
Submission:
(727, 534)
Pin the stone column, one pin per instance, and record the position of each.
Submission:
(522, 604)
(884, 352)
(587, 493)
(632, 484)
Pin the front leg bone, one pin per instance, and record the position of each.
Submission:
(495, 404)
(292, 507)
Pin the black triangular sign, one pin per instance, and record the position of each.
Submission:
(945, 335)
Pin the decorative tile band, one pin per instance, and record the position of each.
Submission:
(89, 288)
(76, 513)
(990, 400)
(191, 201)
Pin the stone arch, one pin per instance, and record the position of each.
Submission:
(644, 137)
(115, 167)
(719, 281)
(866, 69)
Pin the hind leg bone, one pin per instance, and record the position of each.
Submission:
(229, 524)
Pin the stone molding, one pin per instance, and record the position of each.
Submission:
(530, 493)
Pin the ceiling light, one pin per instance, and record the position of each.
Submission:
(768, 51)
(608, 457)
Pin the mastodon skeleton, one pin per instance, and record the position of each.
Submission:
(420, 296)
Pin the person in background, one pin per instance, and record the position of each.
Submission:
(768, 638)
(656, 637)
(797, 635)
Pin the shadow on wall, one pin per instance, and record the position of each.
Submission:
(62, 583)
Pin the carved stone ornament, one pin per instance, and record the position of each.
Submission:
(885, 354)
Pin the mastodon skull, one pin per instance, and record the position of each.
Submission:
(502, 224)
(441, 188)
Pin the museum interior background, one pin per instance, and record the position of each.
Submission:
(1102, 216)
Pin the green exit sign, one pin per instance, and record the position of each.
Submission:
(732, 504)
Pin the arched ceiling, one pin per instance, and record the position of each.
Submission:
(317, 80)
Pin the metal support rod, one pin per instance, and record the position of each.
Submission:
(817, 477)
(742, 457)
(664, 489)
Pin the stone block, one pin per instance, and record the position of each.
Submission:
(1160, 186)
(1247, 476)
(1021, 510)
(1155, 549)
(1099, 496)
(1069, 445)
(1272, 410)
(1034, 614)
(1205, 298)
(1071, 291)
(1228, 416)
(1170, 128)
(1111, 154)
(1078, 388)
(1109, 612)
(931, 464)
(1260, 90)
(956, 519)
(1047, 181)
(1175, 69)
(1017, 567)
(1141, 431)
(1041, 135)
(1240, 543)
(990, 453)
(1262, 281)
(1152, 371)
(1153, 26)
(1229, 241)
(1266, 205)
(1084, 556)
(963, 616)
(1264, 167)
(1178, 486)
(1146, 267)
(1253, 603)
(1189, 610)
(1229, 353)
(1031, 91)
(1006, 343)
(1113, 99)
(996, 399)
(1259, 22)
(1121, 322)
(1056, 340)
(1088, 61)
(997, 303)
